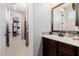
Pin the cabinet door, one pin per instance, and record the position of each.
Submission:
(67, 50)
(49, 47)
(52, 47)
(52, 51)
(45, 46)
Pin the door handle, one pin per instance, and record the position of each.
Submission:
(7, 33)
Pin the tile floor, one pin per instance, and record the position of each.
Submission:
(17, 48)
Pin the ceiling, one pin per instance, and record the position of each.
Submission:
(21, 7)
(18, 7)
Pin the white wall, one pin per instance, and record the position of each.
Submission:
(39, 17)
(41, 23)
(2, 30)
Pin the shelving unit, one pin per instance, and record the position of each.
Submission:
(15, 27)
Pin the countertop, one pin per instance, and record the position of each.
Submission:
(64, 39)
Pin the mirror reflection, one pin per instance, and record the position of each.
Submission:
(65, 17)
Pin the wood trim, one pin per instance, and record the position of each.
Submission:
(58, 5)
(52, 21)
(52, 15)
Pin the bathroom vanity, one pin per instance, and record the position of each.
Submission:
(54, 45)
(64, 19)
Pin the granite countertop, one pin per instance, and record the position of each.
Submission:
(64, 39)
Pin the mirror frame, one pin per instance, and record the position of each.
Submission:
(77, 24)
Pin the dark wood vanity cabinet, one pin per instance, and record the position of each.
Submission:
(55, 48)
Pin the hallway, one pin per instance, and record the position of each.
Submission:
(12, 16)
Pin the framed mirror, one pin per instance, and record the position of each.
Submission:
(65, 17)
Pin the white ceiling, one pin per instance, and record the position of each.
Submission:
(19, 7)
(22, 7)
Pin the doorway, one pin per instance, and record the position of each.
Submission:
(12, 28)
